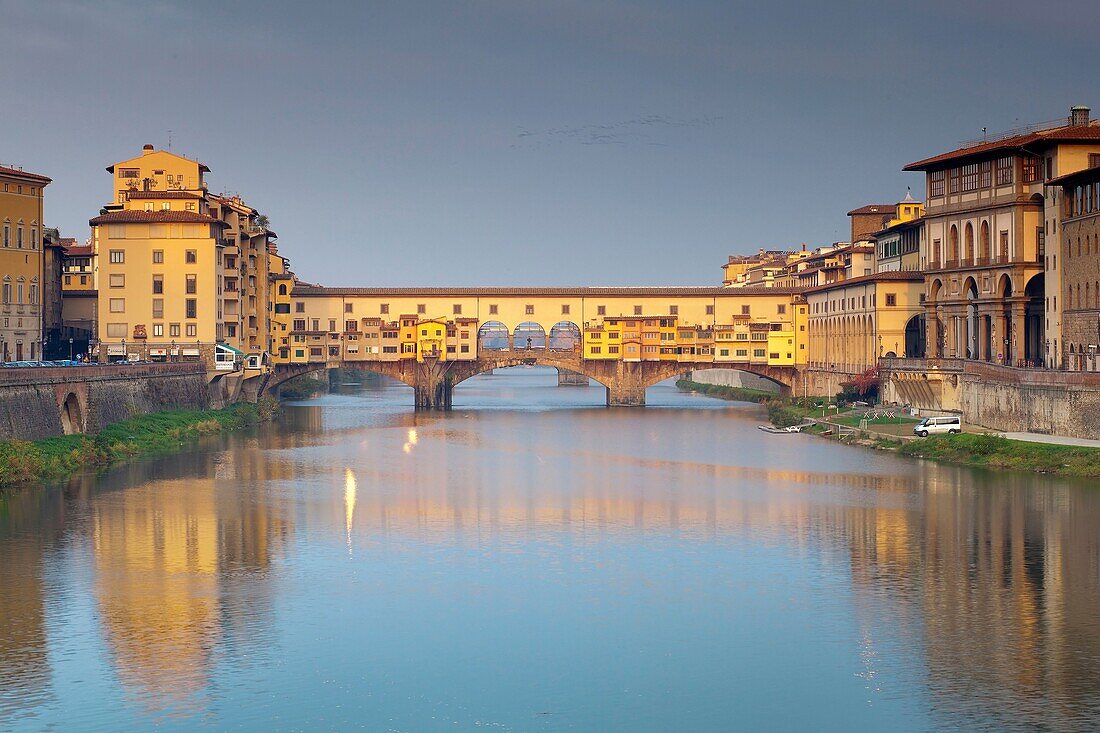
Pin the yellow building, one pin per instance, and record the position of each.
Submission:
(21, 263)
(182, 273)
(280, 288)
(852, 324)
(763, 326)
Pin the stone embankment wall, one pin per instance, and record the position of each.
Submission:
(733, 378)
(999, 397)
(43, 402)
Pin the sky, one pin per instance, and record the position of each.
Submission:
(524, 142)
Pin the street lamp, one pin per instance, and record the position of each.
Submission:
(70, 348)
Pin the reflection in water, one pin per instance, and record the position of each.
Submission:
(540, 569)
(349, 504)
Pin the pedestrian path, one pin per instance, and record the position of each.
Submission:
(1051, 439)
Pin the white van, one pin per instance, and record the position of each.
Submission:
(951, 424)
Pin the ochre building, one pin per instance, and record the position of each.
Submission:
(21, 263)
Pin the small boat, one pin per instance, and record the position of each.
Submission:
(788, 429)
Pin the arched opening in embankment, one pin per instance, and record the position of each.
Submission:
(72, 417)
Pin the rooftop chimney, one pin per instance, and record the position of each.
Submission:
(1079, 115)
(146, 149)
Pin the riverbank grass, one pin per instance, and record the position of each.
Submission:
(23, 461)
(992, 451)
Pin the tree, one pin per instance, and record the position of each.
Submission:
(262, 221)
(860, 386)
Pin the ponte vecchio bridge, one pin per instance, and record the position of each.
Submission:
(627, 338)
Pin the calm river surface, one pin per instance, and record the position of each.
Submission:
(534, 561)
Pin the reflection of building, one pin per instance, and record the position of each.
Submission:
(25, 668)
(1001, 589)
(176, 563)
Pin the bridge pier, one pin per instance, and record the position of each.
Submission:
(625, 396)
(433, 387)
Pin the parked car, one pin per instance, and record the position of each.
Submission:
(950, 424)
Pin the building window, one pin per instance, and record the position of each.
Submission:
(891, 300)
(300, 307)
(384, 308)
(935, 183)
(174, 330)
(457, 309)
(710, 310)
(118, 256)
(192, 330)
(347, 308)
(1005, 167)
(1033, 169)
(637, 310)
(985, 171)
(492, 310)
(421, 308)
(674, 310)
(529, 309)
(781, 308)
(118, 305)
(601, 310)
(191, 257)
(158, 330)
(117, 330)
(117, 280)
(191, 284)
(968, 177)
(564, 310)
(299, 324)
(158, 307)
(158, 256)
(192, 308)
(158, 284)
(745, 310)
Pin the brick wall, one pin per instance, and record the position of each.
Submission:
(1080, 275)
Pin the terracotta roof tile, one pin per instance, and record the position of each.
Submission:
(1088, 174)
(5, 171)
(1082, 133)
(315, 291)
(892, 276)
(873, 209)
(130, 216)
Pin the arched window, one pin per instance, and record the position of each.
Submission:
(986, 245)
(969, 243)
(953, 245)
(282, 289)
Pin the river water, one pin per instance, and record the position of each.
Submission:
(534, 561)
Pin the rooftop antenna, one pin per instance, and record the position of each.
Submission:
(984, 139)
(169, 139)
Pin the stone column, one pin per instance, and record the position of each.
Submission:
(999, 329)
(931, 333)
(981, 343)
(1019, 332)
